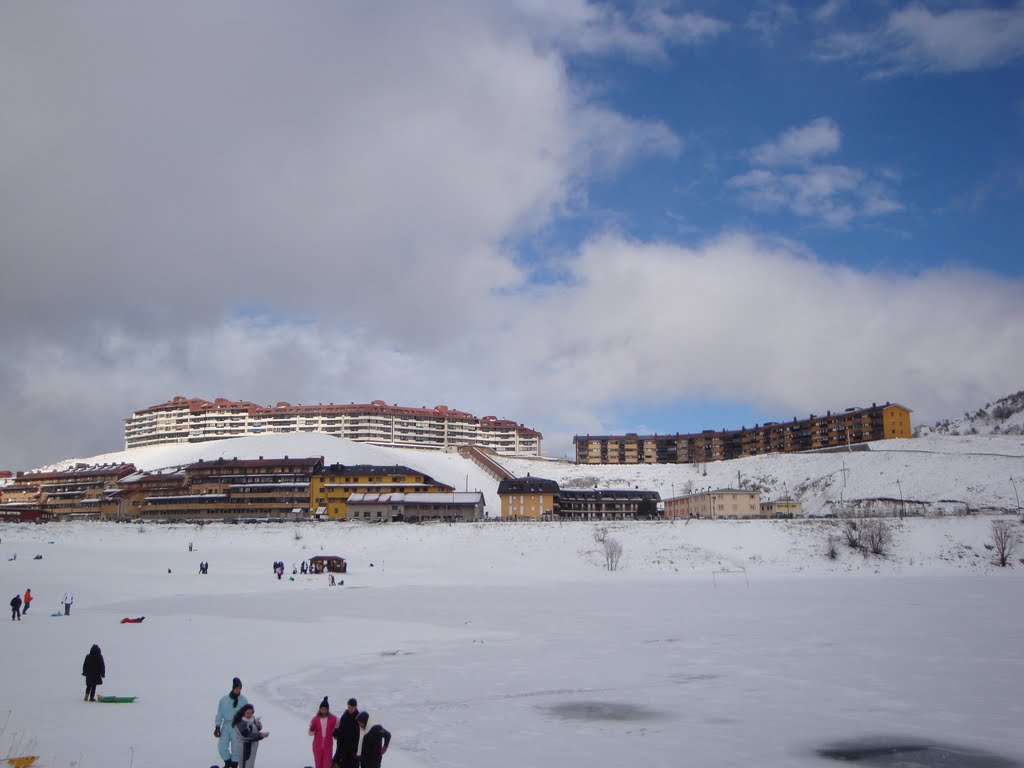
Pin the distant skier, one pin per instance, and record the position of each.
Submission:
(94, 669)
(229, 705)
(16, 608)
(347, 736)
(247, 733)
(375, 741)
(68, 600)
(26, 602)
(321, 728)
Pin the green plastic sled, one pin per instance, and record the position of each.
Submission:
(116, 699)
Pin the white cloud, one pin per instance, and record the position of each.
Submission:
(804, 143)
(769, 17)
(734, 319)
(914, 39)
(594, 27)
(833, 194)
(829, 10)
(737, 319)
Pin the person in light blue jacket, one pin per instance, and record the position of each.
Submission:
(229, 705)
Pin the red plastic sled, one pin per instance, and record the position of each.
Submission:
(139, 620)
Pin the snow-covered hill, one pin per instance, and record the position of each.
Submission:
(944, 473)
(1003, 417)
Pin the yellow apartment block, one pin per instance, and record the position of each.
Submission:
(527, 498)
(331, 487)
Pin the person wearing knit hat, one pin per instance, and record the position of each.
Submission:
(347, 736)
(321, 728)
(374, 742)
(228, 705)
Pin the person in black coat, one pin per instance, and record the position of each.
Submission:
(346, 736)
(16, 607)
(94, 670)
(375, 742)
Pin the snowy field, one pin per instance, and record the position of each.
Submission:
(715, 644)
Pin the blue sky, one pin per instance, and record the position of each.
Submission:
(643, 216)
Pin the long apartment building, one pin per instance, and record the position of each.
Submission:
(81, 490)
(221, 489)
(193, 420)
(854, 425)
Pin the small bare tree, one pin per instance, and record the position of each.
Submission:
(601, 534)
(1005, 540)
(876, 536)
(612, 553)
(851, 532)
(832, 551)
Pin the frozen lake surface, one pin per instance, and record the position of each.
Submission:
(509, 645)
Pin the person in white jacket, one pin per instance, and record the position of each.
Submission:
(247, 732)
(68, 600)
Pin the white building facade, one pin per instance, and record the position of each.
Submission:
(193, 420)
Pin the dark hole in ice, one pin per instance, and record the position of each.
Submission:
(603, 710)
(910, 753)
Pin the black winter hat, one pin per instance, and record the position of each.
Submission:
(236, 683)
(362, 717)
(325, 703)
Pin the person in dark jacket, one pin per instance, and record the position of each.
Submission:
(94, 670)
(346, 736)
(375, 742)
(16, 608)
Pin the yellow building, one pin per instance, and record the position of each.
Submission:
(332, 485)
(527, 498)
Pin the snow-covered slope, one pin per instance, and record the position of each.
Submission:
(1003, 417)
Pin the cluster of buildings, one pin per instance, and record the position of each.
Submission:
(536, 498)
(238, 490)
(194, 420)
(833, 430)
(276, 489)
(300, 488)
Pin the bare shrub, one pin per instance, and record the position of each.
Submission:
(832, 551)
(1005, 540)
(851, 533)
(612, 553)
(876, 536)
(601, 534)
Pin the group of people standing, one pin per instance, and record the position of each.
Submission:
(20, 605)
(348, 741)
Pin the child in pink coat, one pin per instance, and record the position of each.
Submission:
(321, 728)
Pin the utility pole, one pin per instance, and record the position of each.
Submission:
(845, 470)
(903, 506)
(1016, 494)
